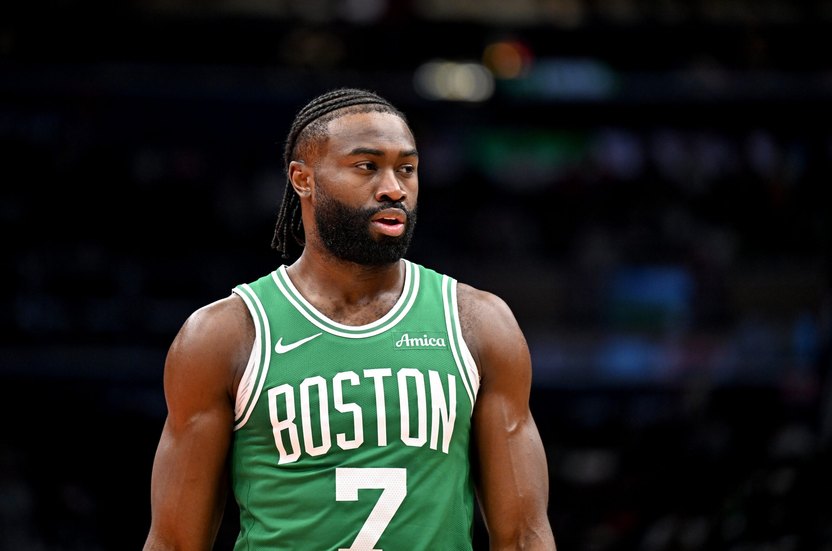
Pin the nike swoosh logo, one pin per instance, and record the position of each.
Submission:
(281, 348)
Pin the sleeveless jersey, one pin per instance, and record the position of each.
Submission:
(355, 437)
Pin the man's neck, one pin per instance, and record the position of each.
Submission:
(346, 292)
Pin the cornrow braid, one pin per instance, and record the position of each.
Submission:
(309, 124)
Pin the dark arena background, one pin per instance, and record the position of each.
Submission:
(646, 183)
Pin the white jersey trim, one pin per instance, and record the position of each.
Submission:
(251, 385)
(316, 317)
(462, 357)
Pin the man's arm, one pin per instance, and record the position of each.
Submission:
(510, 461)
(189, 480)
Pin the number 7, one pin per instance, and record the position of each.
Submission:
(393, 486)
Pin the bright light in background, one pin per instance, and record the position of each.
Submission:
(454, 81)
(469, 81)
(507, 59)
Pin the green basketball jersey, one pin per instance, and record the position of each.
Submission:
(355, 437)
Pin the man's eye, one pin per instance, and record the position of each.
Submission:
(407, 169)
(367, 165)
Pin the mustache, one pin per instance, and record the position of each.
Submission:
(389, 205)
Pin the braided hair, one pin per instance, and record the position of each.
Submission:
(308, 128)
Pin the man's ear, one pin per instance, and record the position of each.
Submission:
(300, 174)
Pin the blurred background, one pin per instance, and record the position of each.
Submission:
(646, 183)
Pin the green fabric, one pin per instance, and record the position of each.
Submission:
(355, 437)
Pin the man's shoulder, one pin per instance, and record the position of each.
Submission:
(225, 314)
(479, 302)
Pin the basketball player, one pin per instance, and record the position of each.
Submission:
(356, 400)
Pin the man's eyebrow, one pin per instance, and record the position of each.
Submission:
(379, 152)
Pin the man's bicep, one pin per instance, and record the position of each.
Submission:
(188, 485)
(513, 482)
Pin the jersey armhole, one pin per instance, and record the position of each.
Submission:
(462, 355)
(251, 383)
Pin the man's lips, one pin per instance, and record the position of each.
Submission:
(390, 216)
(389, 222)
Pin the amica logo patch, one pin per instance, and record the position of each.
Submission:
(419, 340)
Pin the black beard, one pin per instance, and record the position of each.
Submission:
(345, 232)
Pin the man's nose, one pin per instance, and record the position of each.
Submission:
(390, 188)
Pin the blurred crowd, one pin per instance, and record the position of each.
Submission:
(658, 217)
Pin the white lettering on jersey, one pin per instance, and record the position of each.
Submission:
(306, 415)
(405, 406)
(286, 424)
(355, 409)
(313, 393)
(424, 341)
(381, 411)
(442, 411)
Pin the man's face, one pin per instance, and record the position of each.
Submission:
(365, 190)
(345, 231)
